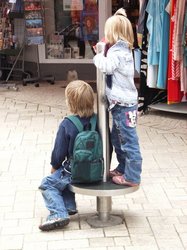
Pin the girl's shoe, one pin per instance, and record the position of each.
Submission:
(115, 173)
(120, 180)
(54, 224)
(72, 212)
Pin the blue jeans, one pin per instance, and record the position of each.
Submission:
(58, 198)
(125, 141)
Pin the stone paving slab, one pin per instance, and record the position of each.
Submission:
(154, 217)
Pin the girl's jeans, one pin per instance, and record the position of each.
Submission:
(58, 199)
(125, 141)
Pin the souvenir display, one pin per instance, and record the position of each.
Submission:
(34, 21)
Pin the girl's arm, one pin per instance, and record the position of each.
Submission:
(106, 64)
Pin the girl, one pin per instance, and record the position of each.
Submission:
(118, 65)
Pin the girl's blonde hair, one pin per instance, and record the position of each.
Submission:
(80, 98)
(118, 27)
(121, 12)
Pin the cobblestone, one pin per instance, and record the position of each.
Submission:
(154, 217)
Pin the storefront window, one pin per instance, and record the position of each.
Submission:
(77, 31)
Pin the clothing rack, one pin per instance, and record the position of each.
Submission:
(166, 76)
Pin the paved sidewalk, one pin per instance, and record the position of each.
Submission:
(154, 217)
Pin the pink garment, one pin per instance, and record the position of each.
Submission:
(183, 77)
(178, 29)
(175, 64)
(178, 44)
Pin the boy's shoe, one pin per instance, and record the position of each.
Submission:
(72, 212)
(115, 172)
(120, 180)
(54, 224)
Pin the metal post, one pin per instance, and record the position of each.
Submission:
(103, 117)
(104, 203)
(104, 207)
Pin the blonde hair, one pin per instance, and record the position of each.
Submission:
(121, 12)
(118, 27)
(80, 98)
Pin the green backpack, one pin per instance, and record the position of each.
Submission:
(87, 159)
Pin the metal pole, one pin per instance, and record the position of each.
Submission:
(103, 118)
(18, 56)
(103, 203)
(104, 207)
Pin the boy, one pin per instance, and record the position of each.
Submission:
(59, 200)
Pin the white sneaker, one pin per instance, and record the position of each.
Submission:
(54, 224)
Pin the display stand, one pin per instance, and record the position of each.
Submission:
(34, 26)
(16, 65)
(10, 58)
(105, 190)
(38, 78)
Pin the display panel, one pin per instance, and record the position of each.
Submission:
(77, 22)
(34, 21)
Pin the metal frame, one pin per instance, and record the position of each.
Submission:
(19, 56)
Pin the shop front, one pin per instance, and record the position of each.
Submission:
(57, 35)
(72, 28)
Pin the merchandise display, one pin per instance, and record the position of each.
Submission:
(34, 21)
(6, 39)
(55, 46)
(77, 21)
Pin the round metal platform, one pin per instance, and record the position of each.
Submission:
(102, 189)
(180, 108)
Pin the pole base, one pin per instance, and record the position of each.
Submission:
(94, 221)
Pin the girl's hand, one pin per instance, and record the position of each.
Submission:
(53, 170)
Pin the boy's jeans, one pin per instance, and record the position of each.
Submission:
(125, 141)
(58, 199)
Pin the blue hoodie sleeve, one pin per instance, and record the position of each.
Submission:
(60, 150)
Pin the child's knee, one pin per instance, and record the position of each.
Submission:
(44, 184)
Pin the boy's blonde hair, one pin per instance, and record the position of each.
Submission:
(80, 98)
(119, 27)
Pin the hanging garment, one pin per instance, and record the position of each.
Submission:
(152, 75)
(184, 38)
(178, 43)
(146, 95)
(154, 25)
(183, 77)
(179, 24)
(141, 21)
(142, 105)
(175, 65)
(173, 88)
(164, 46)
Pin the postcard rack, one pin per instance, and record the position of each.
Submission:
(34, 34)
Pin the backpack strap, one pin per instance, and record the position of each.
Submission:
(93, 121)
(76, 122)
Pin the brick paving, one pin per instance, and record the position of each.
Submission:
(154, 217)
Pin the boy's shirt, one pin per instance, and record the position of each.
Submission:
(64, 141)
